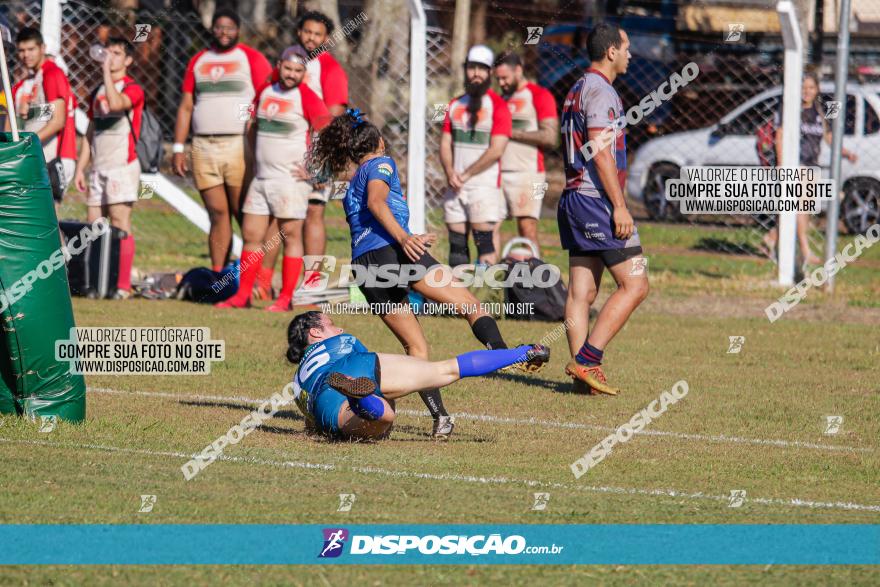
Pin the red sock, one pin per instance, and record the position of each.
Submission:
(290, 270)
(216, 268)
(250, 267)
(265, 277)
(126, 260)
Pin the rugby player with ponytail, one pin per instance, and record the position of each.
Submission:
(378, 216)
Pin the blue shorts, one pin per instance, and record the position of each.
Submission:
(586, 224)
(324, 405)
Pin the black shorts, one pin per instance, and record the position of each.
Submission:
(389, 255)
(610, 257)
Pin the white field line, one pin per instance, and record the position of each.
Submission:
(531, 422)
(793, 502)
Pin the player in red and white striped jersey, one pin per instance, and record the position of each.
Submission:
(115, 112)
(286, 113)
(535, 128)
(218, 92)
(475, 132)
(45, 104)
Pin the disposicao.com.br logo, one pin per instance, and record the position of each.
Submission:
(476, 545)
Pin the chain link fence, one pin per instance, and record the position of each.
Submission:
(713, 120)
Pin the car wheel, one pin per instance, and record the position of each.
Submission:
(658, 207)
(861, 205)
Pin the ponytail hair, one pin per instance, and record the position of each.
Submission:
(346, 139)
(298, 334)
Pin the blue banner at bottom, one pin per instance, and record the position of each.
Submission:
(277, 544)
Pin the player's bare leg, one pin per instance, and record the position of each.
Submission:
(220, 233)
(263, 289)
(369, 416)
(314, 239)
(631, 291)
(585, 278)
(408, 331)
(253, 231)
(527, 227)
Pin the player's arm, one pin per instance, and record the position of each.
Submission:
(413, 245)
(497, 144)
(85, 152)
(56, 123)
(181, 130)
(117, 101)
(545, 137)
(446, 159)
(843, 150)
(607, 169)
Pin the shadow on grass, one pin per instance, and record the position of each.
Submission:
(423, 434)
(531, 380)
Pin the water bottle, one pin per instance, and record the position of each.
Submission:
(98, 52)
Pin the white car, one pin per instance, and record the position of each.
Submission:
(732, 142)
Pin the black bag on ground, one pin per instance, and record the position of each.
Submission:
(94, 272)
(548, 303)
(205, 286)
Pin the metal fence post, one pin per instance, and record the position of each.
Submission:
(840, 79)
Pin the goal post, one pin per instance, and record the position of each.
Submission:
(791, 124)
(416, 154)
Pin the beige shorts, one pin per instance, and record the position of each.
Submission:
(523, 193)
(281, 198)
(472, 204)
(218, 160)
(114, 186)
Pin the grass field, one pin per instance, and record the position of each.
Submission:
(752, 421)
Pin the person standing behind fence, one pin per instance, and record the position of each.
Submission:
(475, 133)
(535, 128)
(45, 104)
(814, 128)
(115, 111)
(218, 92)
(286, 114)
(326, 78)
(595, 226)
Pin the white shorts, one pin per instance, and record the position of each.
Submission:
(472, 204)
(281, 198)
(115, 186)
(322, 195)
(523, 192)
(69, 166)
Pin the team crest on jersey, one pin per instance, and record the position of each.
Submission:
(215, 70)
(611, 114)
(271, 110)
(385, 168)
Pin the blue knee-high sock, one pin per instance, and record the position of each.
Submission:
(369, 408)
(477, 363)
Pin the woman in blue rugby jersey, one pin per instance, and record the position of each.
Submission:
(378, 216)
(344, 390)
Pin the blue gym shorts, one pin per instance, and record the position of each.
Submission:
(586, 229)
(325, 404)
